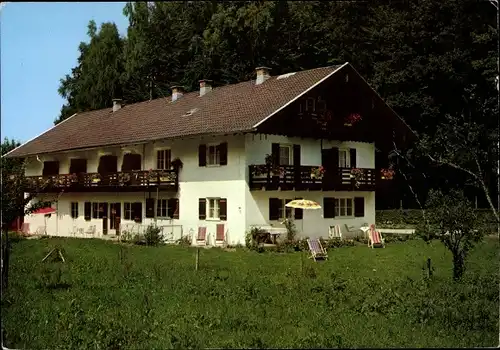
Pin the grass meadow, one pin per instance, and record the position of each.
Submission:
(107, 295)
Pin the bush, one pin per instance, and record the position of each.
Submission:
(153, 235)
(184, 241)
(256, 237)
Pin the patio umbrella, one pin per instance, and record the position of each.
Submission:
(303, 204)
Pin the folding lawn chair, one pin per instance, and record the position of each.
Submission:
(220, 234)
(317, 251)
(202, 235)
(375, 238)
(335, 232)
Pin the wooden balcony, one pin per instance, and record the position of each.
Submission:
(288, 178)
(139, 180)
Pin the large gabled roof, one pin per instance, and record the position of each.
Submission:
(227, 109)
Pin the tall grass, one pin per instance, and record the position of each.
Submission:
(118, 296)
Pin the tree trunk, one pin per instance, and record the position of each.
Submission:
(458, 265)
(5, 258)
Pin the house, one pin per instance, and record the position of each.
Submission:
(234, 155)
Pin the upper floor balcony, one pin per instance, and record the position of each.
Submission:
(299, 178)
(136, 180)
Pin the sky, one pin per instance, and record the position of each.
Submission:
(39, 46)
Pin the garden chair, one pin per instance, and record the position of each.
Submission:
(375, 237)
(317, 251)
(220, 234)
(202, 235)
(334, 232)
(41, 230)
(91, 230)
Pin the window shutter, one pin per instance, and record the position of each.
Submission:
(274, 205)
(177, 209)
(87, 211)
(171, 207)
(223, 209)
(202, 155)
(359, 207)
(296, 155)
(335, 157)
(299, 213)
(223, 153)
(150, 207)
(137, 211)
(275, 153)
(353, 157)
(328, 208)
(202, 208)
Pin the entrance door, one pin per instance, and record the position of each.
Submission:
(330, 162)
(115, 218)
(104, 207)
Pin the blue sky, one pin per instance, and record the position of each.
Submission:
(38, 46)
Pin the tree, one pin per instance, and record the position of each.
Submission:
(96, 79)
(454, 224)
(14, 201)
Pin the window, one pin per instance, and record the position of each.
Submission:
(168, 208)
(213, 154)
(127, 208)
(343, 207)
(344, 158)
(133, 211)
(162, 208)
(212, 208)
(278, 210)
(285, 155)
(310, 104)
(87, 211)
(163, 158)
(74, 210)
(98, 210)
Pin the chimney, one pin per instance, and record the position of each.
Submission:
(262, 75)
(205, 86)
(117, 104)
(177, 92)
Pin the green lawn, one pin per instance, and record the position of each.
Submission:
(112, 296)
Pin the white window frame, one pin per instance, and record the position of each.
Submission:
(285, 212)
(341, 211)
(347, 158)
(210, 161)
(129, 210)
(290, 153)
(72, 210)
(165, 167)
(216, 208)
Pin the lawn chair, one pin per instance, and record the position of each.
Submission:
(202, 235)
(91, 230)
(220, 234)
(334, 232)
(317, 251)
(375, 237)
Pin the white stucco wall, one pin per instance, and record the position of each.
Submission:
(244, 207)
(313, 225)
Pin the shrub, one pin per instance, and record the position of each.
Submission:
(256, 237)
(184, 241)
(153, 235)
(291, 231)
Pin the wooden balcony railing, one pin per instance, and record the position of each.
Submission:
(138, 180)
(298, 178)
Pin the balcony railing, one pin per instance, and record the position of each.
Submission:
(298, 178)
(138, 180)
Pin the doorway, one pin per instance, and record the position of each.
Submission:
(330, 162)
(115, 218)
(103, 208)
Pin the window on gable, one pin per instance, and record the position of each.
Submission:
(310, 104)
(163, 159)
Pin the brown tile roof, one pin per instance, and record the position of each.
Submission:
(226, 109)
